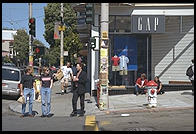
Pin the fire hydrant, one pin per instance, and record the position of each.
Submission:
(152, 94)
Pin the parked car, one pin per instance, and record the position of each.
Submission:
(9, 64)
(11, 77)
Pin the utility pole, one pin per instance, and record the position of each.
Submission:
(30, 40)
(61, 56)
(104, 44)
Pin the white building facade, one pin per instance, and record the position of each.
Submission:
(7, 42)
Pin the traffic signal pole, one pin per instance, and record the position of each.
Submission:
(104, 44)
(61, 56)
(30, 41)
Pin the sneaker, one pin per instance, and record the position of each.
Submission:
(62, 93)
(73, 114)
(43, 116)
(162, 92)
(81, 114)
(49, 115)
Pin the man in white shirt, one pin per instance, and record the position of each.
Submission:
(67, 72)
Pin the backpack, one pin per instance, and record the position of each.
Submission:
(189, 71)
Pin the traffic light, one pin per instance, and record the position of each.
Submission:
(32, 26)
(89, 12)
(92, 42)
(39, 50)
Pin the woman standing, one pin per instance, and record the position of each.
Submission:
(46, 85)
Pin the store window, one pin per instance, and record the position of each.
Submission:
(123, 24)
(137, 48)
(111, 23)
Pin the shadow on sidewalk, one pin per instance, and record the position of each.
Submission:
(187, 93)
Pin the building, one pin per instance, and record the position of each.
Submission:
(158, 37)
(7, 42)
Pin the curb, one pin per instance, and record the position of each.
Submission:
(149, 110)
(12, 107)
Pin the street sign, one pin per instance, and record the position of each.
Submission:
(61, 28)
(104, 35)
(56, 30)
(65, 53)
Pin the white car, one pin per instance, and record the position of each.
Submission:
(11, 77)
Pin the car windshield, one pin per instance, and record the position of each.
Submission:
(9, 74)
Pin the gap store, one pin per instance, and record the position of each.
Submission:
(157, 39)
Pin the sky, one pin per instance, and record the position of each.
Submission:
(16, 16)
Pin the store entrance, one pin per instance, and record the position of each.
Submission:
(137, 48)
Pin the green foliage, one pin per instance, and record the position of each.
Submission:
(7, 59)
(21, 45)
(53, 56)
(71, 40)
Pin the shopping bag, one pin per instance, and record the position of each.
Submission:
(21, 99)
(59, 75)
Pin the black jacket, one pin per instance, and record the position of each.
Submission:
(81, 83)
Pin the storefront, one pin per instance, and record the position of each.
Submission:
(158, 41)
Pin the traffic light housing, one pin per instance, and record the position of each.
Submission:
(92, 42)
(39, 50)
(89, 12)
(32, 26)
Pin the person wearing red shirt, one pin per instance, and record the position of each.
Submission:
(140, 84)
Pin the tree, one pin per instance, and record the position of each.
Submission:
(21, 46)
(7, 59)
(71, 40)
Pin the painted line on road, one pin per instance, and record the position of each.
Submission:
(90, 123)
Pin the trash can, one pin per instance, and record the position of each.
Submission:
(152, 93)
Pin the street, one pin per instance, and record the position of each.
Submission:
(175, 120)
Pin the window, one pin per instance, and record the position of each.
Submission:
(9, 74)
(111, 23)
(123, 24)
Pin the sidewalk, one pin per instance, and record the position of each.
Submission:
(61, 105)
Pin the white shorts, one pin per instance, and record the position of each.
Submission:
(65, 80)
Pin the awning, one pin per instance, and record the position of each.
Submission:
(166, 12)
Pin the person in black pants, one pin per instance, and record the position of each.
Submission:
(79, 90)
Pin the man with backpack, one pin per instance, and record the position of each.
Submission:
(190, 74)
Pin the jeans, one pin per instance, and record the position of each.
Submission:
(139, 90)
(30, 92)
(46, 98)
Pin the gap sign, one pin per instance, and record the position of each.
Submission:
(148, 23)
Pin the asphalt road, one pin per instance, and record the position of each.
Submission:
(181, 120)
